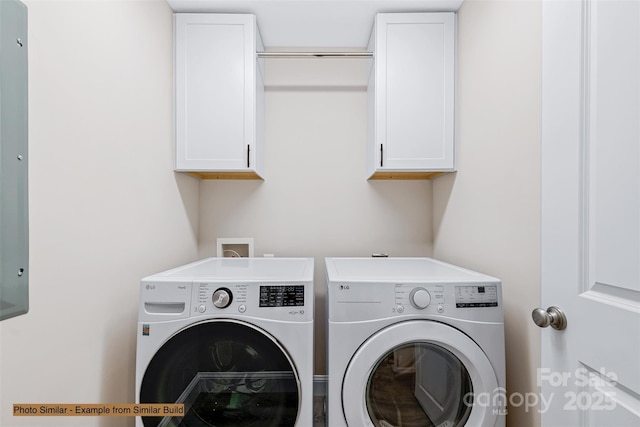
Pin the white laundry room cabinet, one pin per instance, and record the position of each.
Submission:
(411, 94)
(219, 97)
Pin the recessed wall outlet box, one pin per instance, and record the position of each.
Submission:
(235, 247)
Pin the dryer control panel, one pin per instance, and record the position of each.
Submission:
(362, 301)
(420, 297)
(474, 296)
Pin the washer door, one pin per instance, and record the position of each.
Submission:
(419, 373)
(227, 373)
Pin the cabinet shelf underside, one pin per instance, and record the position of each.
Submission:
(406, 175)
(224, 175)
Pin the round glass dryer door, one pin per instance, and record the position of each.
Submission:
(226, 373)
(419, 384)
(419, 374)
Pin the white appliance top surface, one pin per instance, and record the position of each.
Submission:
(399, 270)
(245, 269)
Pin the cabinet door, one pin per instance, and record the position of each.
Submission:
(215, 92)
(414, 92)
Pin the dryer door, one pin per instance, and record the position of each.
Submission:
(421, 373)
(227, 373)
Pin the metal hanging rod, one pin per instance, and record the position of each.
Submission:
(315, 54)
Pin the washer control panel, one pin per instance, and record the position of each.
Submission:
(269, 300)
(281, 295)
(213, 298)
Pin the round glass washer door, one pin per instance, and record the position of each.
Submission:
(419, 374)
(226, 373)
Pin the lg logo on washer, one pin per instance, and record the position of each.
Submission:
(344, 287)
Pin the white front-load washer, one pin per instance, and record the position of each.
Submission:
(413, 342)
(231, 339)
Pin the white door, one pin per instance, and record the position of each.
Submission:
(590, 372)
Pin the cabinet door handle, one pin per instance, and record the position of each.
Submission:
(248, 155)
(381, 155)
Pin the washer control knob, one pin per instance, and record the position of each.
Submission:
(420, 298)
(222, 298)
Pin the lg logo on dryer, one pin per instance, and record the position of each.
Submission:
(344, 287)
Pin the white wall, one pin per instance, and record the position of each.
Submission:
(316, 200)
(106, 207)
(487, 215)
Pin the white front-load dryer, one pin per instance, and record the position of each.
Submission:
(231, 339)
(413, 342)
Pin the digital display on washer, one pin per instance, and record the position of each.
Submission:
(476, 296)
(281, 296)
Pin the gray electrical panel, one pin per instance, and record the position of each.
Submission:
(14, 157)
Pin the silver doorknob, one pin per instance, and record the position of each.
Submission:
(552, 316)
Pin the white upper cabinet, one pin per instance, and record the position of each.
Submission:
(219, 96)
(317, 24)
(411, 92)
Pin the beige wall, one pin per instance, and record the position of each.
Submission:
(316, 200)
(105, 206)
(487, 215)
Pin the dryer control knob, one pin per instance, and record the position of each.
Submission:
(222, 298)
(420, 298)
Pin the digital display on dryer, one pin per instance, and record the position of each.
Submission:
(281, 296)
(476, 296)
